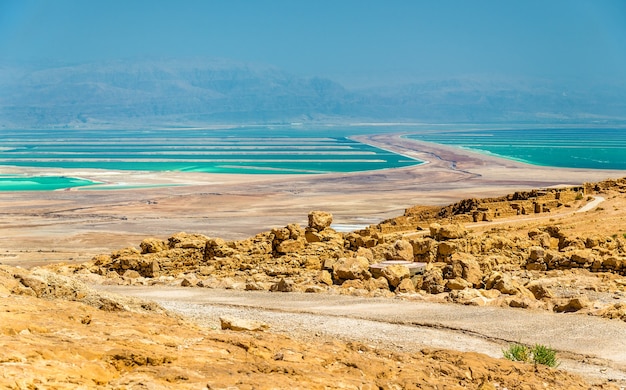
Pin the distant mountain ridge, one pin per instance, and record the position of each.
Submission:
(143, 93)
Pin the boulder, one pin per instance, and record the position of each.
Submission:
(377, 284)
(347, 268)
(536, 253)
(572, 305)
(282, 286)
(324, 277)
(401, 250)
(320, 220)
(582, 257)
(188, 241)
(458, 284)
(406, 286)
(446, 249)
(447, 232)
(281, 233)
(539, 290)
(153, 245)
(395, 274)
(432, 281)
(290, 246)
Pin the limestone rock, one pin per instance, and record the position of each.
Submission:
(351, 268)
(539, 290)
(242, 324)
(290, 246)
(458, 284)
(153, 245)
(572, 305)
(432, 281)
(447, 232)
(401, 250)
(406, 286)
(395, 274)
(324, 277)
(282, 286)
(320, 220)
(188, 241)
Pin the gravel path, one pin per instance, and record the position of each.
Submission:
(590, 346)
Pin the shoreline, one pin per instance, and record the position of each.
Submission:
(50, 226)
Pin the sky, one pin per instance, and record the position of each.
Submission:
(353, 41)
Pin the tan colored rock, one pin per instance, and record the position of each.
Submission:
(457, 284)
(572, 305)
(432, 281)
(188, 241)
(367, 253)
(325, 277)
(539, 290)
(445, 249)
(153, 245)
(347, 268)
(469, 296)
(290, 246)
(242, 324)
(131, 274)
(465, 266)
(582, 257)
(281, 233)
(447, 232)
(282, 286)
(380, 283)
(401, 250)
(320, 220)
(395, 274)
(295, 231)
(406, 286)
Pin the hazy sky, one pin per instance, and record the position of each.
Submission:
(350, 40)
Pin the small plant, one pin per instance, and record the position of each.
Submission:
(579, 196)
(517, 353)
(544, 355)
(538, 354)
(624, 235)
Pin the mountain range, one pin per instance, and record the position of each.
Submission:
(144, 93)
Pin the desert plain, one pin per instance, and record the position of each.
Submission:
(341, 336)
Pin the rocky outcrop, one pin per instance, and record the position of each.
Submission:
(497, 266)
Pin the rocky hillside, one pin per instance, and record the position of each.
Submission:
(57, 333)
(522, 251)
(562, 250)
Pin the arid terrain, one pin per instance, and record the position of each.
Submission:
(409, 278)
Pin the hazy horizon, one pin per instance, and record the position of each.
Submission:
(356, 43)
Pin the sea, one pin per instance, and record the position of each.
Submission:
(592, 148)
(284, 149)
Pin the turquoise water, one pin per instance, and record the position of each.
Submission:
(283, 150)
(569, 148)
(262, 150)
(223, 151)
(40, 183)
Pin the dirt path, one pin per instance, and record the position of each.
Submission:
(589, 346)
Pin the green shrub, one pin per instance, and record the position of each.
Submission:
(517, 353)
(544, 355)
(538, 354)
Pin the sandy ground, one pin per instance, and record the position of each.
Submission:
(44, 227)
(589, 346)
